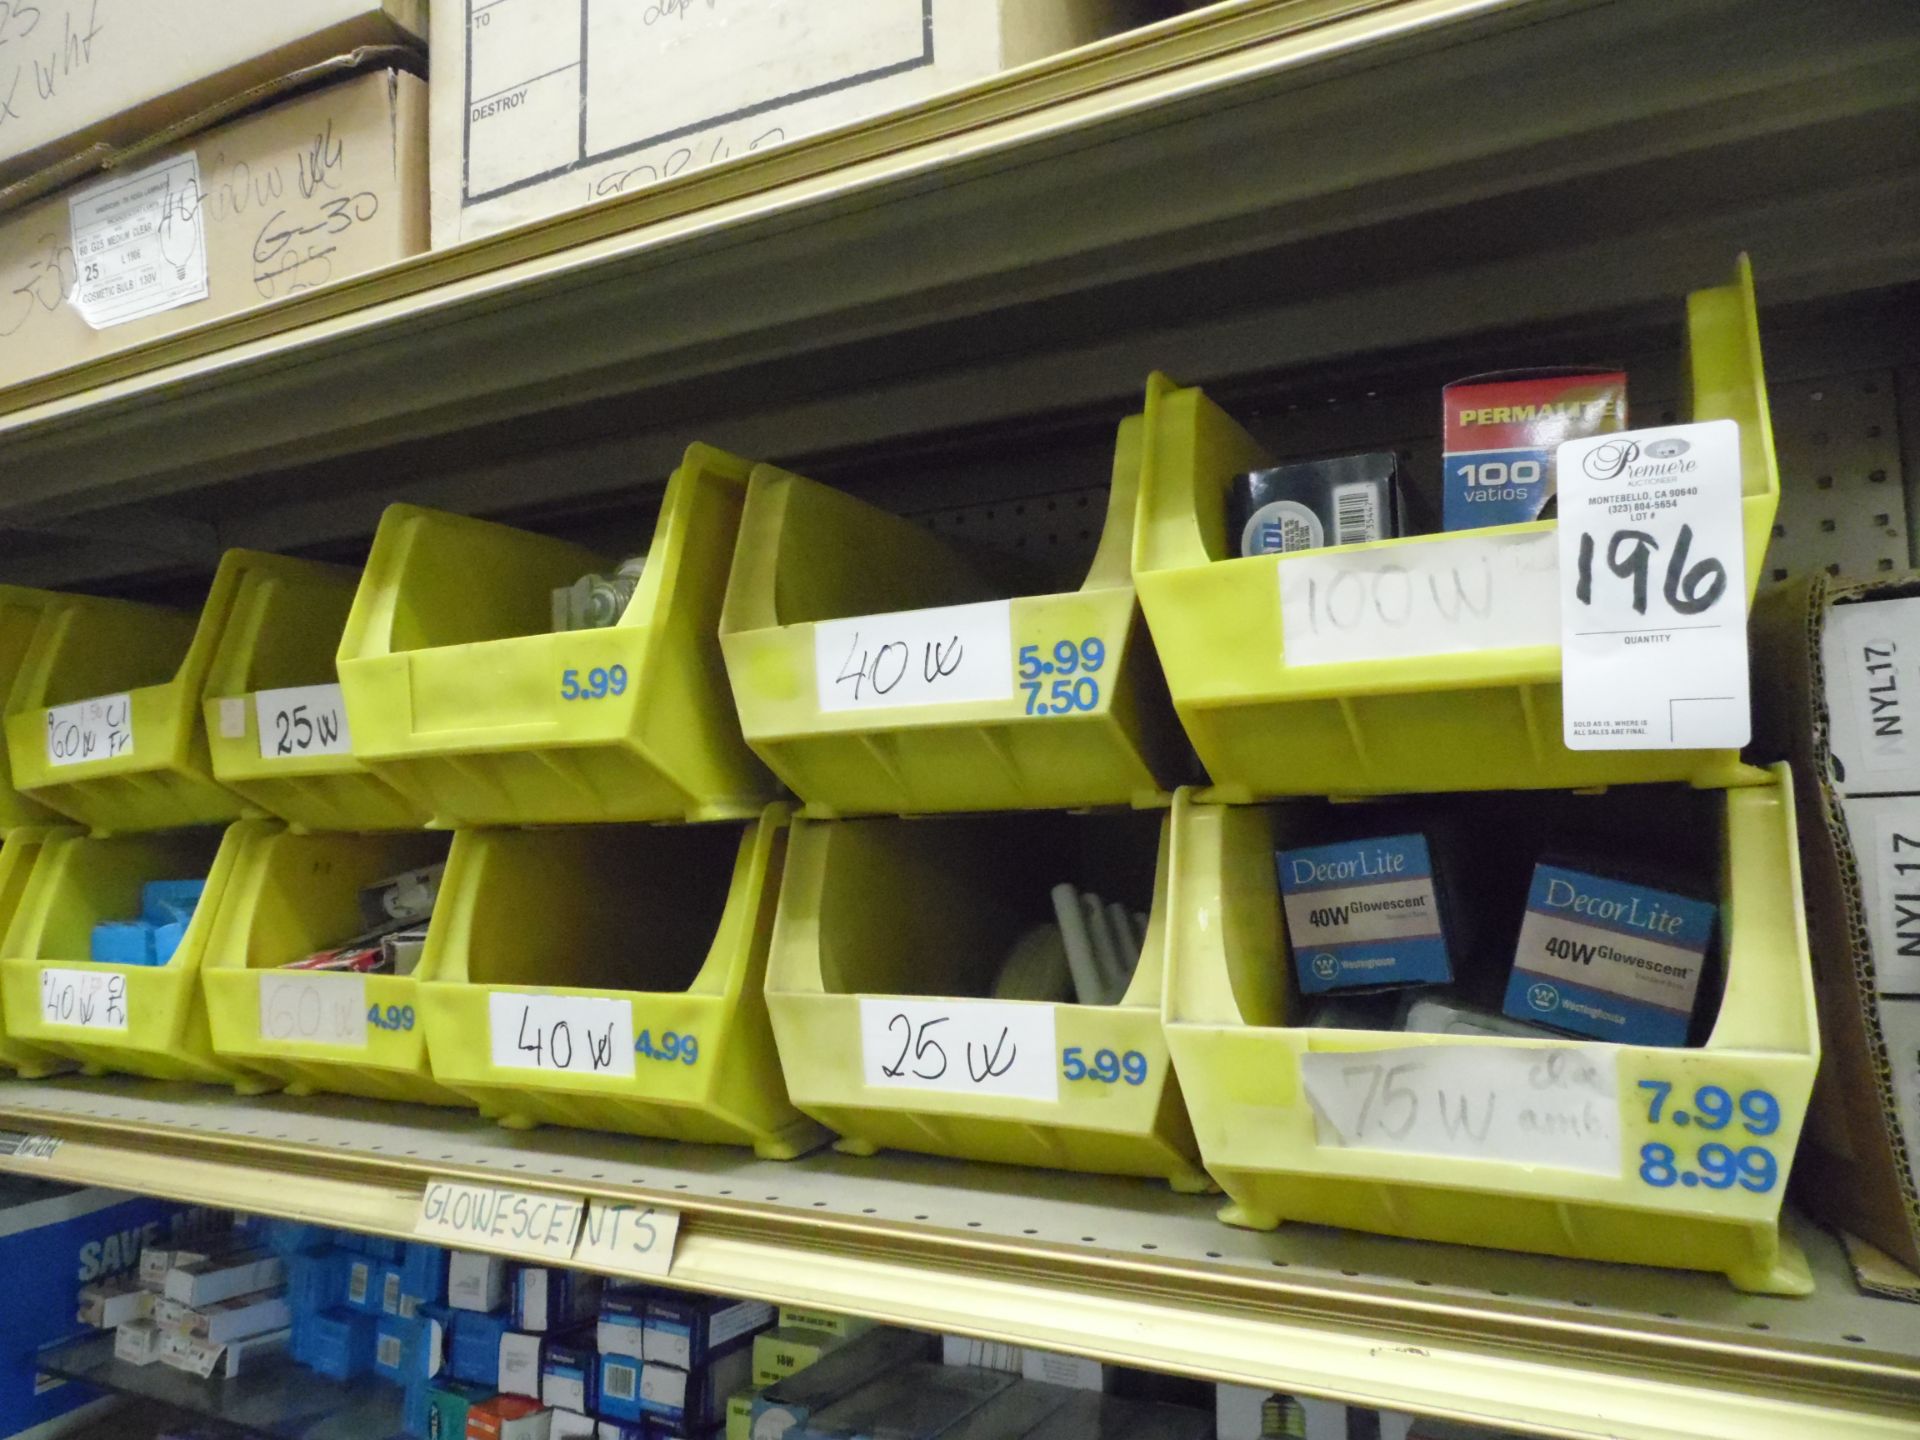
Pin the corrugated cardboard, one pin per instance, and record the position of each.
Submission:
(1856, 1168)
(308, 191)
(533, 116)
(81, 79)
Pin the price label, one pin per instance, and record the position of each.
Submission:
(96, 729)
(1653, 602)
(617, 1238)
(1555, 1105)
(976, 1048)
(318, 1008)
(571, 1034)
(1465, 592)
(302, 720)
(945, 656)
(1710, 1137)
(486, 1217)
(88, 999)
(1065, 679)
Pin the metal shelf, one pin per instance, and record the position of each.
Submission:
(1123, 1270)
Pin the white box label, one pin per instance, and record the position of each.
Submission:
(1439, 597)
(1543, 1105)
(97, 729)
(87, 999)
(139, 243)
(976, 1047)
(302, 720)
(1653, 598)
(533, 1227)
(621, 1239)
(317, 1008)
(949, 655)
(569, 1034)
(1870, 653)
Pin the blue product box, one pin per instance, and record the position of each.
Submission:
(340, 1343)
(316, 1281)
(1364, 914)
(53, 1240)
(287, 1238)
(570, 1375)
(623, 1320)
(381, 1248)
(546, 1299)
(687, 1330)
(362, 1284)
(122, 942)
(393, 1298)
(620, 1430)
(414, 1409)
(163, 901)
(423, 1272)
(166, 940)
(473, 1349)
(620, 1388)
(1609, 959)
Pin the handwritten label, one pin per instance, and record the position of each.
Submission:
(139, 250)
(90, 730)
(319, 1009)
(618, 1238)
(536, 1227)
(971, 1048)
(569, 1034)
(1470, 591)
(88, 999)
(1653, 602)
(302, 720)
(951, 655)
(1544, 1105)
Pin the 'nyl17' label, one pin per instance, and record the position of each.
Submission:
(1870, 652)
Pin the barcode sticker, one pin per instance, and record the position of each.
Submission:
(389, 1353)
(357, 1278)
(1356, 515)
(621, 1381)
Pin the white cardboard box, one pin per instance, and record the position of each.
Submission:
(1885, 831)
(476, 1282)
(88, 77)
(1870, 652)
(541, 106)
(205, 1282)
(1900, 1027)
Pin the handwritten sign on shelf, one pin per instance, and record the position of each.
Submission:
(302, 720)
(951, 655)
(1463, 592)
(1555, 1105)
(532, 1226)
(977, 1047)
(319, 1009)
(566, 1034)
(88, 999)
(618, 1238)
(85, 730)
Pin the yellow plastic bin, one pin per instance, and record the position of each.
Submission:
(889, 938)
(1064, 706)
(612, 978)
(143, 1020)
(1472, 1131)
(275, 662)
(292, 893)
(457, 692)
(22, 612)
(1483, 719)
(17, 857)
(103, 720)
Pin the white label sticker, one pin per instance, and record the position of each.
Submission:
(1871, 654)
(1438, 597)
(534, 1227)
(571, 1034)
(88, 999)
(302, 720)
(664, 1385)
(973, 1047)
(621, 1239)
(1889, 886)
(951, 655)
(1653, 599)
(1542, 1105)
(96, 729)
(139, 243)
(317, 1008)
(233, 717)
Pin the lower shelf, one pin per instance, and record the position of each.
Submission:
(1124, 1271)
(274, 1401)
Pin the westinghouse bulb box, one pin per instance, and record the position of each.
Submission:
(1609, 959)
(1364, 914)
(1502, 431)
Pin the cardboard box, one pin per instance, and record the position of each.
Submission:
(476, 1282)
(228, 1320)
(1072, 1372)
(1502, 433)
(1885, 831)
(221, 1277)
(1900, 1031)
(1346, 500)
(571, 1425)
(788, 1406)
(686, 1331)
(623, 1321)
(211, 1359)
(308, 191)
(138, 1343)
(787, 1350)
(520, 1364)
(508, 1417)
(109, 1304)
(550, 1299)
(1364, 913)
(449, 1402)
(473, 1351)
(537, 113)
(570, 1375)
(832, 1322)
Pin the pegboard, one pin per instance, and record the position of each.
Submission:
(1843, 508)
